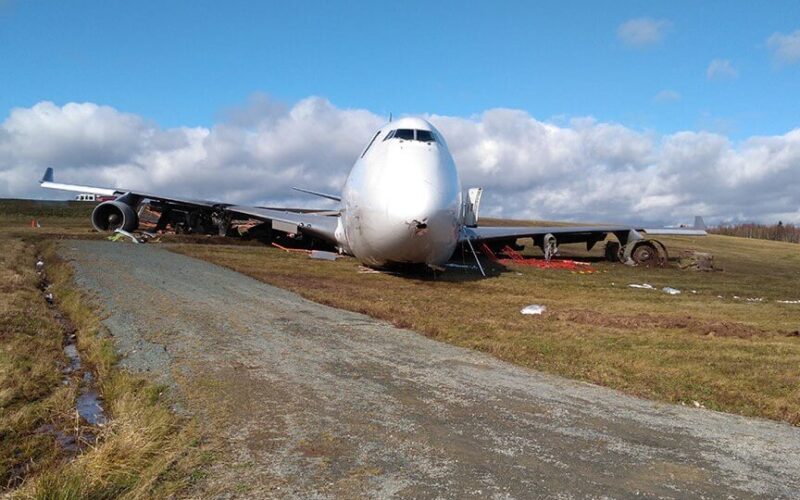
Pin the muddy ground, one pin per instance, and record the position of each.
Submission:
(311, 401)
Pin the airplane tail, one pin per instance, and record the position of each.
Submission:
(699, 223)
(48, 175)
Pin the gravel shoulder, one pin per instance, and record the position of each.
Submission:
(309, 401)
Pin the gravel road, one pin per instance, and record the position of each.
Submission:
(312, 401)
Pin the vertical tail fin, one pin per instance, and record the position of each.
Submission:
(48, 175)
(699, 223)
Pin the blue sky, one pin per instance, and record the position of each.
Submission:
(587, 111)
(185, 63)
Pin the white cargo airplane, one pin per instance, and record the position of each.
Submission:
(401, 203)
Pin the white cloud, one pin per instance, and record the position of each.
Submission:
(581, 170)
(642, 31)
(786, 48)
(667, 96)
(721, 69)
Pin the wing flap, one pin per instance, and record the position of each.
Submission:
(321, 226)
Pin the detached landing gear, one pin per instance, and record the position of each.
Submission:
(642, 252)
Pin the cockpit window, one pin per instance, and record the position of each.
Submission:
(408, 134)
(425, 136)
(404, 133)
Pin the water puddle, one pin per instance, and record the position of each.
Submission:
(88, 404)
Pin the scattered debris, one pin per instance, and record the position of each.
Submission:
(749, 299)
(120, 233)
(39, 266)
(323, 255)
(49, 298)
(533, 309)
(291, 250)
(367, 270)
(697, 261)
(647, 286)
(463, 266)
(788, 301)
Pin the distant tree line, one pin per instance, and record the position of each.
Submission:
(777, 232)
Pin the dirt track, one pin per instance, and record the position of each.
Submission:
(315, 401)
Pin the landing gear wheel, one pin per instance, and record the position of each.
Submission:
(645, 254)
(648, 253)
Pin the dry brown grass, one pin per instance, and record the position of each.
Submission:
(726, 354)
(144, 451)
(31, 393)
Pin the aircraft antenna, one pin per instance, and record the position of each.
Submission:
(390, 117)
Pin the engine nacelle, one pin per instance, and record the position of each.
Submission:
(113, 215)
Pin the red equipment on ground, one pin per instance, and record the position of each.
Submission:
(514, 257)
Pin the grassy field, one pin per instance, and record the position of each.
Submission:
(702, 347)
(143, 451)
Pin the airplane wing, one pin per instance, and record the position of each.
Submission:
(315, 224)
(49, 183)
(574, 234)
(318, 224)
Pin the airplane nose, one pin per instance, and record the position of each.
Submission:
(410, 206)
(422, 211)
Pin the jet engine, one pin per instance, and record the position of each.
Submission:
(113, 215)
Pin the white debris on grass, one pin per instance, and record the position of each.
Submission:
(749, 299)
(367, 270)
(322, 255)
(788, 302)
(647, 286)
(460, 266)
(533, 309)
